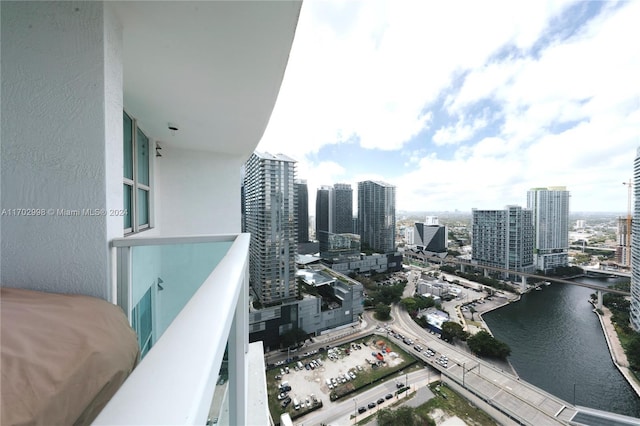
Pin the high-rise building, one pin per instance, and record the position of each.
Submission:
(270, 217)
(503, 238)
(634, 314)
(324, 216)
(342, 208)
(377, 216)
(550, 209)
(623, 252)
(302, 197)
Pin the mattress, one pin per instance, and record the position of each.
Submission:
(63, 356)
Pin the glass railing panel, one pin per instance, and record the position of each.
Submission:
(163, 279)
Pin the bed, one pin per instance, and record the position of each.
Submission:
(63, 356)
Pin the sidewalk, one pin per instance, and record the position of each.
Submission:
(615, 348)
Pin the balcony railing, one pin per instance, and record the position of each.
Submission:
(186, 298)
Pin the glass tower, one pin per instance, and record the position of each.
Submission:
(550, 208)
(270, 216)
(377, 216)
(635, 248)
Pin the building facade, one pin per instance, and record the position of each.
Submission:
(338, 303)
(550, 209)
(503, 238)
(342, 208)
(430, 238)
(624, 237)
(635, 248)
(377, 216)
(324, 216)
(302, 197)
(270, 217)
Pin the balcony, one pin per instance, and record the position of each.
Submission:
(186, 298)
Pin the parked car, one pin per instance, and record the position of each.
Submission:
(388, 396)
(362, 410)
(286, 402)
(371, 405)
(380, 401)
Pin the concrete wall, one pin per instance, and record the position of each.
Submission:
(196, 192)
(61, 144)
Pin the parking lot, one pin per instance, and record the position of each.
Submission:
(332, 371)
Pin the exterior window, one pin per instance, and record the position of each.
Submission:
(136, 180)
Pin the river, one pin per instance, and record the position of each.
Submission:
(557, 344)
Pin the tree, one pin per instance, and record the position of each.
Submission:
(473, 311)
(452, 330)
(382, 312)
(633, 352)
(292, 337)
(484, 344)
(409, 303)
(424, 302)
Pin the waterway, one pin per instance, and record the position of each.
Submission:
(557, 344)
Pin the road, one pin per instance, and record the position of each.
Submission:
(517, 399)
(340, 412)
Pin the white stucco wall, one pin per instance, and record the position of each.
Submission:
(196, 192)
(61, 144)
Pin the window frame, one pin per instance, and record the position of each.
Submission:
(134, 184)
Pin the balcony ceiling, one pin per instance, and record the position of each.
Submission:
(212, 68)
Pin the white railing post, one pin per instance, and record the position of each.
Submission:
(238, 356)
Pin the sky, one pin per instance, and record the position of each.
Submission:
(464, 104)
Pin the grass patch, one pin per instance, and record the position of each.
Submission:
(453, 404)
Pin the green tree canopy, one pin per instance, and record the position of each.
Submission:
(293, 337)
(484, 344)
(383, 311)
(452, 330)
(633, 352)
(409, 303)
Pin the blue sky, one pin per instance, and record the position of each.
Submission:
(464, 104)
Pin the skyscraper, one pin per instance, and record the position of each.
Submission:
(324, 217)
(270, 217)
(342, 208)
(302, 197)
(623, 256)
(635, 248)
(550, 208)
(503, 238)
(377, 216)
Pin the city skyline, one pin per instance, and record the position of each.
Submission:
(456, 116)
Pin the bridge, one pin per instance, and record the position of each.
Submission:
(599, 271)
(583, 248)
(524, 275)
(507, 397)
(517, 400)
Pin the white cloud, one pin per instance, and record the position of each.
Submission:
(374, 81)
(460, 132)
(568, 115)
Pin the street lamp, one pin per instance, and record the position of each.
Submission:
(463, 371)
(406, 379)
(355, 411)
